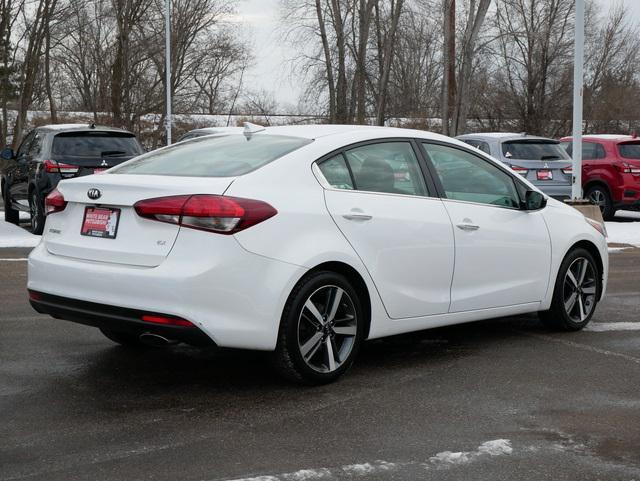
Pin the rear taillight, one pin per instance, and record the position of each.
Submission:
(55, 167)
(213, 213)
(519, 170)
(568, 171)
(54, 202)
(626, 168)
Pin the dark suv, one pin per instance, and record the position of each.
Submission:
(51, 153)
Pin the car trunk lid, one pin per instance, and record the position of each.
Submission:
(132, 239)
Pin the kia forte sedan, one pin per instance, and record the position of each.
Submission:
(306, 241)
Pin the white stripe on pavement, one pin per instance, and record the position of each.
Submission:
(613, 326)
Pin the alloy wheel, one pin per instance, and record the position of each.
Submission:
(597, 197)
(34, 210)
(579, 291)
(327, 329)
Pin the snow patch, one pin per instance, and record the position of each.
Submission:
(13, 236)
(497, 447)
(367, 468)
(612, 326)
(623, 233)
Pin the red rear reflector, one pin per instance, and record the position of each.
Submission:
(34, 296)
(544, 175)
(54, 202)
(214, 213)
(167, 321)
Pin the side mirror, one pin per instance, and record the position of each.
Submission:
(534, 200)
(7, 153)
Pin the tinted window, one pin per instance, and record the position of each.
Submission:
(24, 146)
(390, 167)
(479, 144)
(467, 177)
(94, 145)
(36, 145)
(336, 172)
(533, 150)
(630, 150)
(226, 156)
(590, 150)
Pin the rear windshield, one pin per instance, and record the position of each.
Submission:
(95, 145)
(226, 156)
(534, 150)
(630, 150)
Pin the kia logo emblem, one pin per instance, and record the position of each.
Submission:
(94, 194)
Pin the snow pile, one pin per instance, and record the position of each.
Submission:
(623, 233)
(496, 447)
(14, 236)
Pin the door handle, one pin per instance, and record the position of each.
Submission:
(357, 217)
(468, 227)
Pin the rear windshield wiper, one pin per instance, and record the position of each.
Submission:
(109, 153)
(550, 157)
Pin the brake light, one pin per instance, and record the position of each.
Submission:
(55, 167)
(54, 202)
(167, 321)
(213, 213)
(626, 168)
(519, 170)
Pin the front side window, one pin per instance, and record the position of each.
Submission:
(226, 156)
(24, 146)
(630, 150)
(388, 167)
(467, 177)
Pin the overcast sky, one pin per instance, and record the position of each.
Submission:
(260, 20)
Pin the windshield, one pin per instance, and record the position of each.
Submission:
(630, 150)
(94, 145)
(226, 156)
(534, 150)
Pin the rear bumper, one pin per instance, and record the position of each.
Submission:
(233, 296)
(560, 192)
(113, 318)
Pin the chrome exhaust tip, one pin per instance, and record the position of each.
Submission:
(156, 340)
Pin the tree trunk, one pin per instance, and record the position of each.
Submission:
(365, 11)
(449, 64)
(342, 106)
(328, 64)
(396, 11)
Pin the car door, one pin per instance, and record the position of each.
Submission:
(18, 174)
(380, 200)
(502, 253)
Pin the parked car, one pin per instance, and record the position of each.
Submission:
(541, 161)
(51, 153)
(304, 241)
(193, 134)
(610, 171)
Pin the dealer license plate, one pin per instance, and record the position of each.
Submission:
(100, 222)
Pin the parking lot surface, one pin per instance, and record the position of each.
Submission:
(504, 399)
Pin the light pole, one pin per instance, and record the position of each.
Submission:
(167, 62)
(578, 86)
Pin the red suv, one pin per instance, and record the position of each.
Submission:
(610, 171)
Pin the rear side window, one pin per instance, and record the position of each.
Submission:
(630, 150)
(226, 156)
(94, 145)
(336, 172)
(533, 150)
(590, 150)
(388, 167)
(478, 144)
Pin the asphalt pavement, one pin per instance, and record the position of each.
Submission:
(503, 399)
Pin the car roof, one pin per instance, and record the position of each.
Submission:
(312, 132)
(502, 136)
(80, 128)
(606, 137)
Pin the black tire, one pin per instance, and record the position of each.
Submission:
(36, 210)
(300, 328)
(123, 338)
(10, 214)
(599, 195)
(569, 313)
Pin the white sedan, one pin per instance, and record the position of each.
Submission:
(308, 240)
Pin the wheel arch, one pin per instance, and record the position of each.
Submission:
(356, 280)
(598, 182)
(592, 249)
